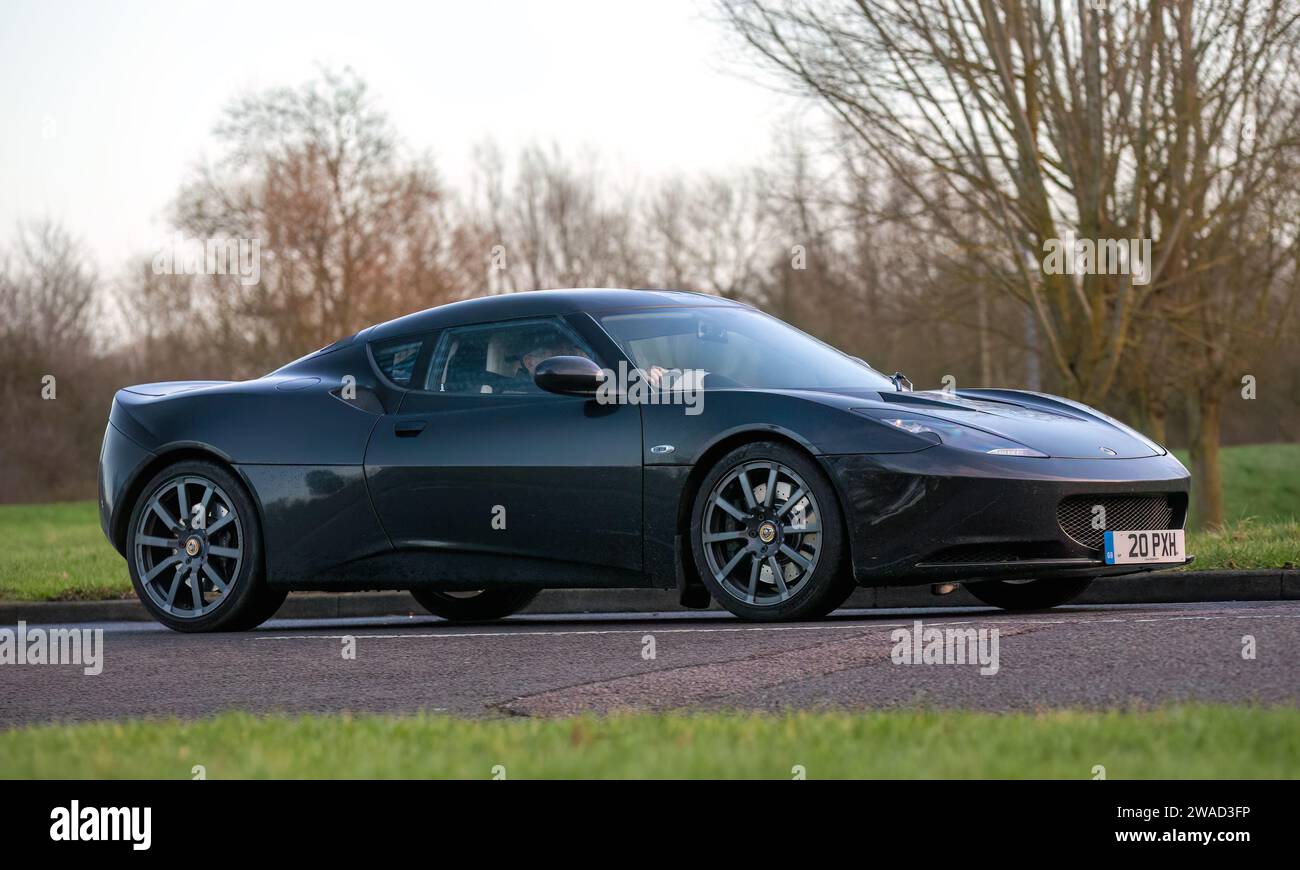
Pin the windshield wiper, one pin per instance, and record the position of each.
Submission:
(899, 379)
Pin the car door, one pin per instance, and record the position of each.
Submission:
(479, 460)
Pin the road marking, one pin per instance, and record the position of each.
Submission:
(868, 627)
(593, 631)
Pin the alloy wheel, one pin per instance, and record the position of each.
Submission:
(188, 546)
(761, 532)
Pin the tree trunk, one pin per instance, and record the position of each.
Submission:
(1207, 482)
(1157, 425)
(982, 326)
(1155, 413)
(1033, 374)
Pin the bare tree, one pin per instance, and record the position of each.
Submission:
(48, 372)
(351, 232)
(1034, 120)
(561, 223)
(47, 290)
(712, 233)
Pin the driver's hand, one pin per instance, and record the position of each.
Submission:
(655, 374)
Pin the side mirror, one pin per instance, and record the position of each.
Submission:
(569, 376)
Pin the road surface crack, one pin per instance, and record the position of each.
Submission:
(705, 683)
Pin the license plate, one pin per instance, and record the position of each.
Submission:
(1126, 548)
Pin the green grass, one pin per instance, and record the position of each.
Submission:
(1246, 544)
(1194, 741)
(57, 551)
(1260, 481)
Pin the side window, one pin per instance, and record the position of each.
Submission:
(397, 358)
(499, 358)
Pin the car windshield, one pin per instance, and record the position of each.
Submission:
(737, 347)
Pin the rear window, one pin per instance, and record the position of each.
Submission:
(397, 358)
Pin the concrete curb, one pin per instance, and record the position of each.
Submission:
(1153, 588)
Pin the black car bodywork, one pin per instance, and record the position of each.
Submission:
(362, 483)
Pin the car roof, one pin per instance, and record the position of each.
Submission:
(539, 303)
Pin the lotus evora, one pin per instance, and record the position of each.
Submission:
(481, 451)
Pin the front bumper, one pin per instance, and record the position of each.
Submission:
(943, 515)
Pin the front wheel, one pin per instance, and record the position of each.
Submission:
(477, 606)
(1028, 594)
(768, 537)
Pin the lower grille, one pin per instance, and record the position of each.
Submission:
(1122, 512)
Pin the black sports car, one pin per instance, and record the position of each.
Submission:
(481, 451)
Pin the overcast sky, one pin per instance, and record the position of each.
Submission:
(106, 105)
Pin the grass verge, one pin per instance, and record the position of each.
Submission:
(1246, 544)
(57, 552)
(1260, 481)
(1193, 741)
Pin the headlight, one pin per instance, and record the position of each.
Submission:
(959, 436)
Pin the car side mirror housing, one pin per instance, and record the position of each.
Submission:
(569, 376)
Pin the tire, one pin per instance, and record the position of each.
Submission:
(1028, 595)
(168, 554)
(743, 549)
(481, 606)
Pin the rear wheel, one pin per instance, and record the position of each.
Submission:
(1028, 594)
(474, 606)
(195, 551)
(767, 535)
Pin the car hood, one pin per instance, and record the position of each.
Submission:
(1059, 427)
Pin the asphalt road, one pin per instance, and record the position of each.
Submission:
(1098, 656)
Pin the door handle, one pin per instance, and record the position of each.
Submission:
(409, 428)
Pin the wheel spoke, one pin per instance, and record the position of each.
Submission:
(158, 569)
(155, 541)
(778, 578)
(754, 565)
(796, 557)
(713, 538)
(726, 569)
(176, 584)
(726, 506)
(803, 530)
(196, 590)
(748, 490)
(225, 552)
(790, 502)
(157, 508)
(215, 578)
(182, 501)
(219, 524)
(207, 495)
(770, 491)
